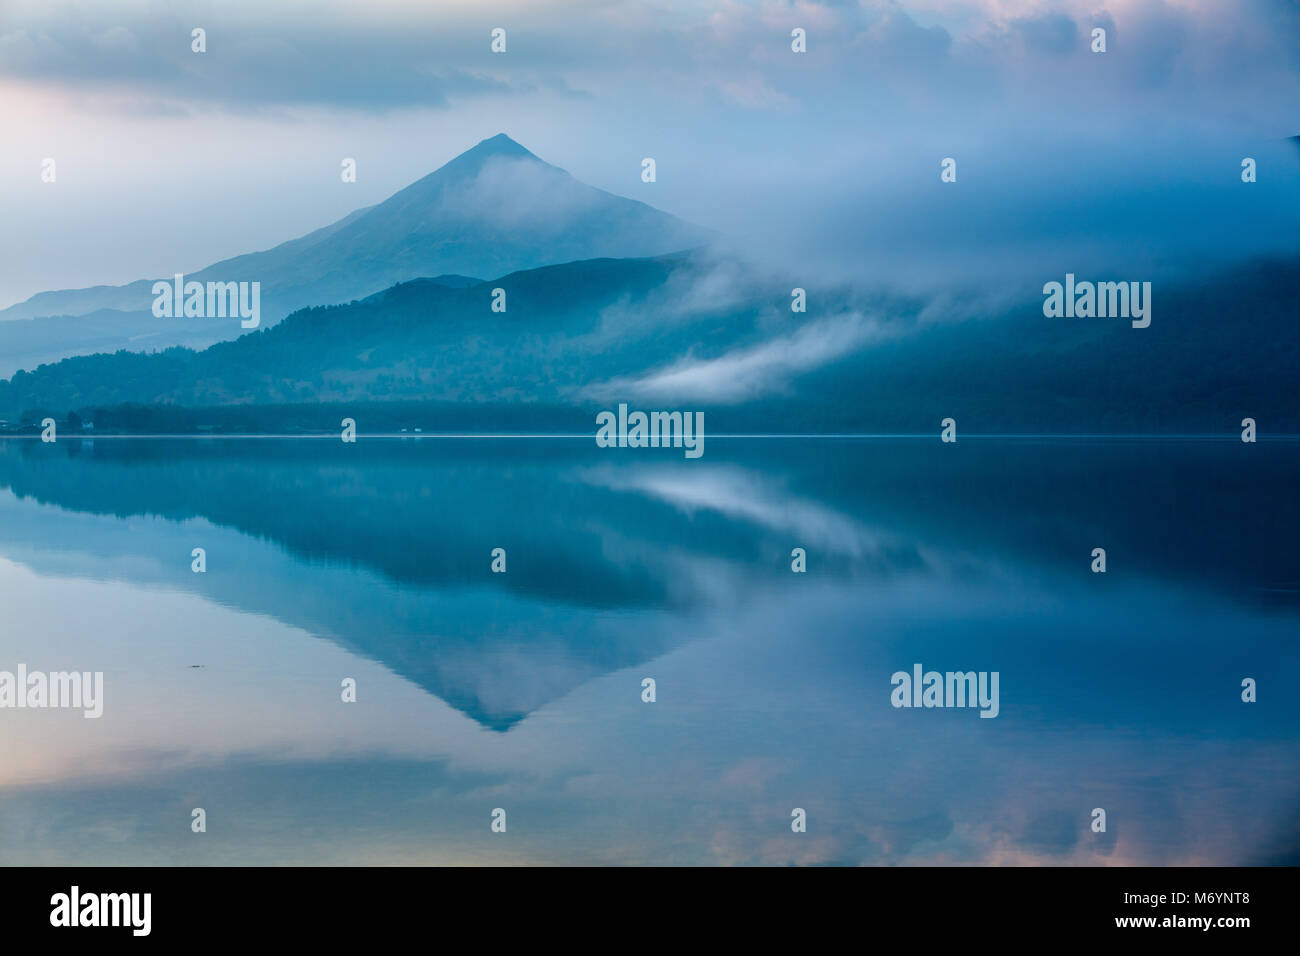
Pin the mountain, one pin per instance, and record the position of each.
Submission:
(569, 513)
(494, 209)
(698, 331)
(29, 343)
(278, 560)
(564, 326)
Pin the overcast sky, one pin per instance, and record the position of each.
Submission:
(168, 160)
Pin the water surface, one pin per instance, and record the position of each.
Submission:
(523, 690)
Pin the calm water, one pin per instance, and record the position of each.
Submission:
(523, 690)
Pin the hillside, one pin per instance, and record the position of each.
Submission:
(585, 335)
(492, 210)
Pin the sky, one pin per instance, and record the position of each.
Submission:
(168, 160)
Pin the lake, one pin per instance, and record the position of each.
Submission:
(523, 690)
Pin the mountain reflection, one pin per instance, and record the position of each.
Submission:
(326, 560)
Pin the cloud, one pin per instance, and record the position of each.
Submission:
(743, 495)
(249, 64)
(520, 194)
(1053, 33)
(402, 55)
(748, 373)
(825, 163)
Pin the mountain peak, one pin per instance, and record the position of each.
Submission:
(471, 162)
(498, 145)
(493, 210)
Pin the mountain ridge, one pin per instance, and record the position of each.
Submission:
(670, 330)
(494, 209)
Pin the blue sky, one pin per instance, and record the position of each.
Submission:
(169, 160)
